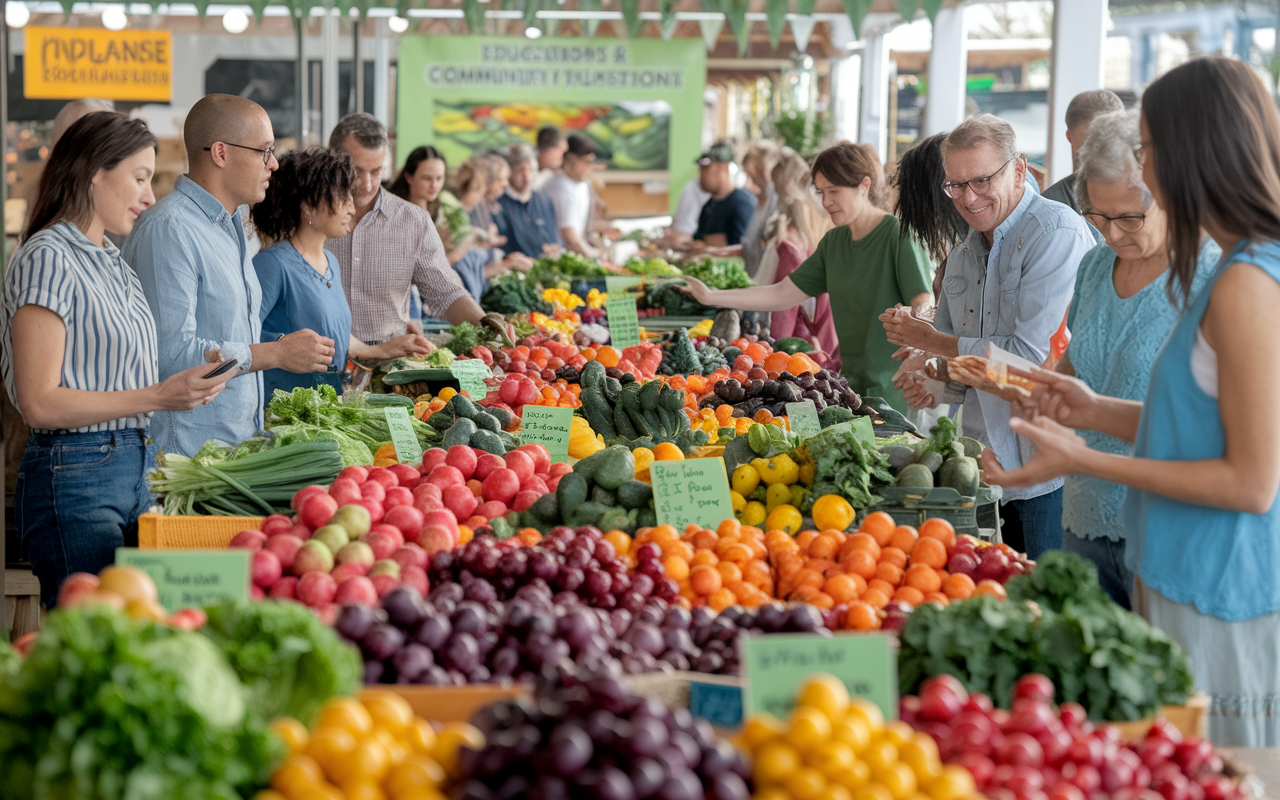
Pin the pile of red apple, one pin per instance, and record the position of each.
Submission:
(1038, 753)
(985, 561)
(375, 529)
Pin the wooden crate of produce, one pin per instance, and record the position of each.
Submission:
(1192, 719)
(161, 532)
(454, 703)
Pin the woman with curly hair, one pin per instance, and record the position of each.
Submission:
(309, 200)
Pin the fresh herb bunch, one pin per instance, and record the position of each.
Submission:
(942, 439)
(106, 707)
(514, 293)
(467, 336)
(568, 265)
(845, 465)
(652, 266)
(1057, 622)
(719, 273)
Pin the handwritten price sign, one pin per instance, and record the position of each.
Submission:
(548, 427)
(804, 419)
(192, 578)
(403, 437)
(693, 492)
(777, 665)
(471, 374)
(624, 324)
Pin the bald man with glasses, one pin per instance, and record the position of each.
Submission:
(191, 254)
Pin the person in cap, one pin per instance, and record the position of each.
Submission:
(725, 217)
(570, 194)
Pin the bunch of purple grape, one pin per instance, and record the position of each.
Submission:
(567, 560)
(599, 742)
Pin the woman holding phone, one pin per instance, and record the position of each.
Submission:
(78, 354)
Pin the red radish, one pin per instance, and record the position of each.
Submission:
(445, 475)
(476, 521)
(428, 502)
(397, 496)
(415, 577)
(558, 469)
(266, 569)
(376, 511)
(553, 483)
(541, 458)
(356, 473)
(501, 485)
(345, 492)
(486, 464)
(463, 459)
(411, 555)
(406, 474)
(284, 589)
(491, 509)
(437, 539)
(525, 499)
(385, 584)
(432, 459)
(373, 490)
(460, 501)
(316, 589)
(256, 593)
(392, 531)
(383, 476)
(248, 540)
(528, 393)
(349, 570)
(303, 494)
(356, 590)
(519, 462)
(317, 510)
(443, 517)
(285, 546)
(382, 544)
(299, 530)
(533, 483)
(426, 490)
(276, 523)
(406, 519)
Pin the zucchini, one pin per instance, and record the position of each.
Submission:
(649, 394)
(388, 400)
(404, 376)
(622, 423)
(598, 413)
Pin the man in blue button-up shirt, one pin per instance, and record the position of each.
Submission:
(190, 252)
(528, 218)
(1008, 283)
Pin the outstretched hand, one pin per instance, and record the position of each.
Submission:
(1059, 451)
(1061, 398)
(697, 290)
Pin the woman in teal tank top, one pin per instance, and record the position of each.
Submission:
(1201, 516)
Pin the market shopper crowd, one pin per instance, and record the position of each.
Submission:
(1146, 447)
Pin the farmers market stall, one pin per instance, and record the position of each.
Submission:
(575, 556)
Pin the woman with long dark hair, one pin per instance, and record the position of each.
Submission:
(1201, 516)
(308, 201)
(863, 264)
(78, 354)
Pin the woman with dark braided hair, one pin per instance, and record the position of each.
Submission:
(308, 201)
(922, 209)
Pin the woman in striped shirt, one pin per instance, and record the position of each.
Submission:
(78, 353)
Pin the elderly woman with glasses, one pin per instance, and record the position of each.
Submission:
(1119, 318)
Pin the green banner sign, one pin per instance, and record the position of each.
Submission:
(638, 100)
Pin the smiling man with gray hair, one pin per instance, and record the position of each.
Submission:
(1008, 284)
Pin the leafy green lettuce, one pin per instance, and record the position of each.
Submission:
(846, 466)
(106, 708)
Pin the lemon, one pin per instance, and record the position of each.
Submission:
(745, 479)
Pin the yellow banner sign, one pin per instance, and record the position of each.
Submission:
(72, 63)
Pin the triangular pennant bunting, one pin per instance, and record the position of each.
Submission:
(473, 13)
(908, 9)
(589, 25)
(531, 13)
(857, 11)
(631, 17)
(776, 11)
(667, 10)
(931, 8)
(801, 30)
(711, 31)
(736, 12)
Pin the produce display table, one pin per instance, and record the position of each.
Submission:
(1263, 761)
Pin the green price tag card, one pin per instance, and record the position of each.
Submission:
(692, 492)
(471, 374)
(777, 665)
(548, 427)
(624, 324)
(804, 419)
(408, 450)
(860, 427)
(620, 283)
(192, 578)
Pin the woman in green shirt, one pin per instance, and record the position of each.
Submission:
(867, 263)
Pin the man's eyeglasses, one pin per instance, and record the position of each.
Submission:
(980, 186)
(1129, 223)
(266, 154)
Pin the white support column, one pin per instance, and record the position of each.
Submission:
(1079, 31)
(873, 127)
(382, 71)
(846, 90)
(329, 73)
(948, 72)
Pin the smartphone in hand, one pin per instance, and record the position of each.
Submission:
(222, 368)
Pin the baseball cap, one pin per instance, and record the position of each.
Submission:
(720, 153)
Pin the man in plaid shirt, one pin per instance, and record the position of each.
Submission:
(393, 246)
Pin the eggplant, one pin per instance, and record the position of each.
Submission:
(789, 393)
(755, 388)
(777, 409)
(821, 403)
(613, 372)
(724, 390)
(805, 381)
(750, 407)
(786, 376)
(821, 385)
(772, 388)
(812, 394)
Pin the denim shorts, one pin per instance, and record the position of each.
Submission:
(77, 498)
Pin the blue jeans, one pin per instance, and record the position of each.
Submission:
(1034, 525)
(77, 498)
(1116, 579)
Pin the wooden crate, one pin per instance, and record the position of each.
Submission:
(160, 532)
(1192, 719)
(21, 602)
(453, 703)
